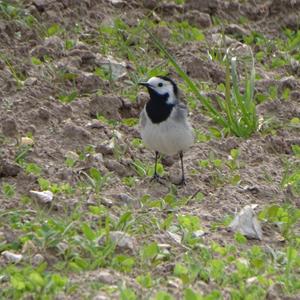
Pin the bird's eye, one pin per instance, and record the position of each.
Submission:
(160, 84)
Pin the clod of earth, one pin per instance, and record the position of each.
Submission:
(107, 106)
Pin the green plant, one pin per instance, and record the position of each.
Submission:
(8, 190)
(96, 180)
(238, 111)
(143, 169)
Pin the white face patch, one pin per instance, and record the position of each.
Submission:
(163, 87)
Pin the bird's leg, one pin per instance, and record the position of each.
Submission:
(182, 181)
(155, 175)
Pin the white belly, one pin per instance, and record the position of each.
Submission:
(168, 137)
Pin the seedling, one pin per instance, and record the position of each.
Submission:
(95, 179)
(8, 190)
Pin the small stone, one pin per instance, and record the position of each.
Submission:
(204, 70)
(27, 141)
(44, 197)
(75, 132)
(252, 280)
(289, 82)
(124, 198)
(107, 202)
(88, 82)
(163, 33)
(4, 278)
(174, 283)
(237, 31)
(55, 43)
(116, 68)
(43, 114)
(84, 54)
(122, 240)
(164, 246)
(95, 124)
(246, 223)
(106, 277)
(101, 296)
(275, 291)
(72, 155)
(219, 39)
(150, 4)
(199, 233)
(62, 247)
(105, 149)
(37, 259)
(242, 51)
(167, 161)
(113, 165)
(198, 19)
(41, 4)
(30, 81)
(98, 157)
(207, 6)
(12, 257)
(117, 134)
(295, 96)
(41, 51)
(176, 237)
(118, 3)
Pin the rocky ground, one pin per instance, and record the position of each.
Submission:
(69, 103)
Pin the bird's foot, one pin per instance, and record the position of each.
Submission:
(157, 178)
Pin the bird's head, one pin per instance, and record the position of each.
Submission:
(162, 87)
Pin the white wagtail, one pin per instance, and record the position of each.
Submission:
(163, 121)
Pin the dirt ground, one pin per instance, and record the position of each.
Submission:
(30, 107)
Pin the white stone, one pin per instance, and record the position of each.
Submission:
(43, 197)
(12, 257)
(246, 223)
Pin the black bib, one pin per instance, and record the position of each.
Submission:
(157, 108)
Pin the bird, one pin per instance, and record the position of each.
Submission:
(163, 122)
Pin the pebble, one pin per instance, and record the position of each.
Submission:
(72, 155)
(122, 240)
(236, 30)
(12, 257)
(43, 197)
(246, 223)
(27, 141)
(37, 259)
(113, 165)
(198, 19)
(106, 277)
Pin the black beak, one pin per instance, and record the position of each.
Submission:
(146, 84)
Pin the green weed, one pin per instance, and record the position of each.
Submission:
(238, 111)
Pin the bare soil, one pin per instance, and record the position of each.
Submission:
(33, 109)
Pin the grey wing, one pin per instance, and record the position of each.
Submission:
(143, 119)
(180, 112)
